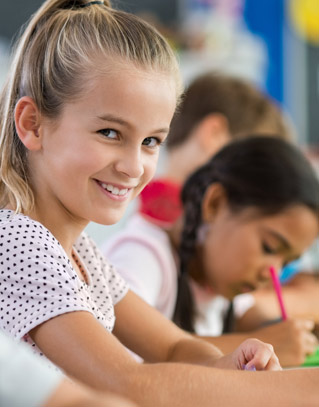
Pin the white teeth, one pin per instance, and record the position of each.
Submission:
(108, 187)
(114, 190)
(123, 191)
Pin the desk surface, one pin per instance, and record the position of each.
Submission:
(312, 360)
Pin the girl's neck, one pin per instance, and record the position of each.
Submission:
(64, 228)
(183, 160)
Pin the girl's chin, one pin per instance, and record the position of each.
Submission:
(240, 289)
(107, 221)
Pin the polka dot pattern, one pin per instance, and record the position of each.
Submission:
(38, 282)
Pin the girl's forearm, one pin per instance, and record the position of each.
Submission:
(106, 366)
(227, 343)
(195, 350)
(73, 394)
(182, 385)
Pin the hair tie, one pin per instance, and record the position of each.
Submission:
(90, 4)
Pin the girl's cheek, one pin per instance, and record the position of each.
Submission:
(150, 168)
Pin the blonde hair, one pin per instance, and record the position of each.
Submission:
(56, 53)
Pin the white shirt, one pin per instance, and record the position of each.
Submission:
(143, 255)
(25, 380)
(38, 282)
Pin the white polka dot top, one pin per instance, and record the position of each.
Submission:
(38, 282)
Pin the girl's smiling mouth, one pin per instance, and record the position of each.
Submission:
(116, 192)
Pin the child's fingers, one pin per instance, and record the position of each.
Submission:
(310, 342)
(305, 324)
(264, 358)
(273, 364)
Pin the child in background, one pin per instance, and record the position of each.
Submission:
(300, 288)
(90, 98)
(215, 109)
(300, 285)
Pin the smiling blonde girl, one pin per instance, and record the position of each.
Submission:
(89, 100)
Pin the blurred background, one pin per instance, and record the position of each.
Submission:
(272, 43)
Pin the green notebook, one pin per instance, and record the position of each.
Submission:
(313, 359)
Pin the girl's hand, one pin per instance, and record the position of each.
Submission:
(252, 353)
(292, 339)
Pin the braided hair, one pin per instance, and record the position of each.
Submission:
(266, 173)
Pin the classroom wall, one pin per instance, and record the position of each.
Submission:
(273, 43)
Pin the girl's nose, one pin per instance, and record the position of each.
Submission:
(131, 164)
(277, 263)
(264, 275)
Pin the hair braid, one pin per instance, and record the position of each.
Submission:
(192, 196)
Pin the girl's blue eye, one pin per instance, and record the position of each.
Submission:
(151, 142)
(109, 133)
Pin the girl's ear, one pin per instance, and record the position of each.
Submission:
(27, 122)
(214, 201)
(213, 132)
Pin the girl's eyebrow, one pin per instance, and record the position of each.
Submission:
(122, 122)
(114, 119)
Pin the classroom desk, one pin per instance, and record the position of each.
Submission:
(312, 360)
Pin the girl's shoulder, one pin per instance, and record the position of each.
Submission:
(16, 226)
(21, 230)
(93, 258)
(101, 273)
(89, 251)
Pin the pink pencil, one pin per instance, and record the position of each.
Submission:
(277, 288)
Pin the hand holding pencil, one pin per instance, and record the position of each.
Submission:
(277, 288)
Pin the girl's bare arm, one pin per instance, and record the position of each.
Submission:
(85, 350)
